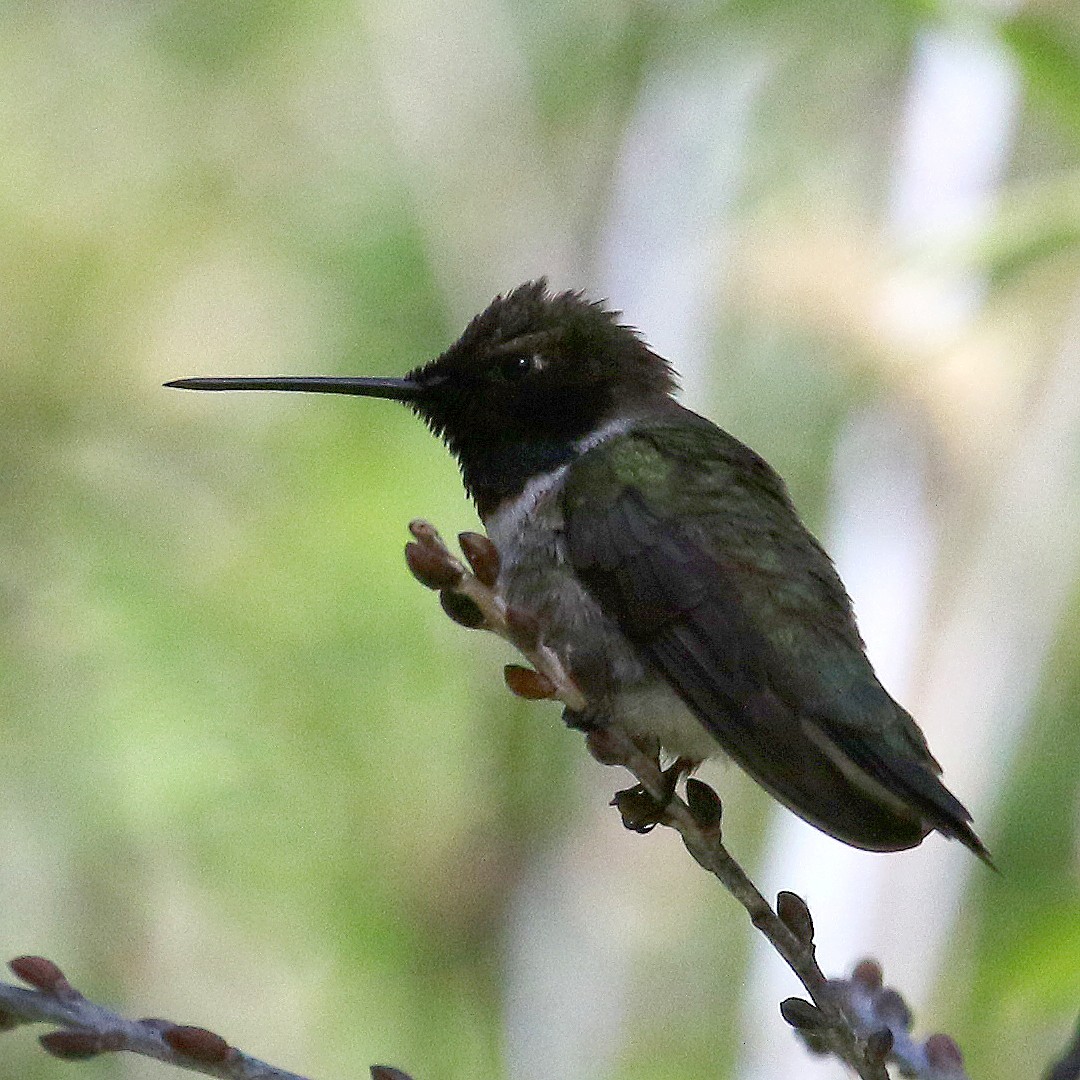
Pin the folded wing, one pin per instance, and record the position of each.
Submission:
(701, 560)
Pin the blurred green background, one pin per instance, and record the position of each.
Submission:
(252, 778)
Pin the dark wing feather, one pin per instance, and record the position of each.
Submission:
(684, 603)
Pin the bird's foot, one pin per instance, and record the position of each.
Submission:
(641, 809)
(642, 812)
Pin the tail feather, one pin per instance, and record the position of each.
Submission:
(914, 783)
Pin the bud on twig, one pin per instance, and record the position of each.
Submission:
(704, 804)
(943, 1053)
(40, 973)
(527, 683)
(462, 609)
(867, 973)
(795, 915)
(433, 568)
(197, 1043)
(482, 556)
(426, 533)
(803, 1015)
(638, 809)
(72, 1045)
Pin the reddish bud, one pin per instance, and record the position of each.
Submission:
(795, 915)
(528, 684)
(72, 1045)
(867, 973)
(482, 556)
(387, 1072)
(432, 567)
(425, 532)
(943, 1053)
(198, 1044)
(40, 973)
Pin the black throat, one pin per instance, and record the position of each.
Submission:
(499, 472)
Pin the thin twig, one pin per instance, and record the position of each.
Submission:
(843, 1019)
(87, 1030)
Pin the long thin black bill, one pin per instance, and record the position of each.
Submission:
(395, 389)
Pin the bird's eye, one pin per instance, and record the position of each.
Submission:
(514, 367)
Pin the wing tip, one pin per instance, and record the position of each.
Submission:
(967, 836)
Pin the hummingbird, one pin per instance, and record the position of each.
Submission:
(666, 564)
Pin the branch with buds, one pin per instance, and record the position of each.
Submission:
(857, 1020)
(86, 1030)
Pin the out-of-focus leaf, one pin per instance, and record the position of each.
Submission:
(1049, 59)
(1031, 225)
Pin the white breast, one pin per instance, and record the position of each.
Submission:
(509, 525)
(534, 575)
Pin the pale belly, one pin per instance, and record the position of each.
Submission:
(619, 683)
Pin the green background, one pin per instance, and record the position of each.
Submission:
(251, 777)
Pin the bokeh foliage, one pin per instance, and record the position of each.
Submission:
(252, 777)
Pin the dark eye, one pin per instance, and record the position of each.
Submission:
(514, 367)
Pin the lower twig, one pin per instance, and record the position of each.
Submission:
(85, 1029)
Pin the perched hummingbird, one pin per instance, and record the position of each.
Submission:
(666, 564)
